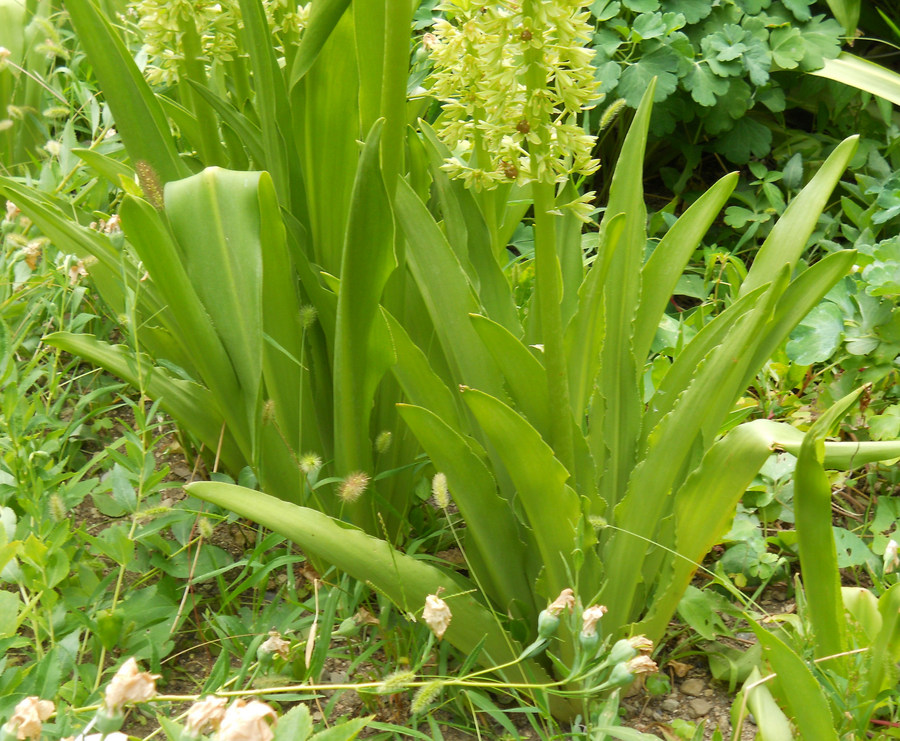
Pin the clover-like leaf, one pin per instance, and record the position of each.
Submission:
(659, 63)
(694, 10)
(642, 6)
(747, 138)
(818, 336)
(648, 26)
(821, 40)
(800, 8)
(787, 47)
(704, 85)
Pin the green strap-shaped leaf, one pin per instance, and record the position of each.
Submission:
(215, 218)
(666, 264)
(189, 403)
(272, 104)
(54, 217)
(815, 538)
(552, 508)
(773, 724)
(322, 20)
(703, 406)
(585, 331)
(683, 370)
(249, 133)
(140, 120)
(188, 321)
(405, 580)
(802, 696)
(111, 169)
(422, 386)
(788, 237)
(470, 238)
(804, 293)
(492, 541)
(446, 292)
(618, 383)
(881, 671)
(326, 132)
(359, 360)
(524, 374)
(281, 319)
(863, 75)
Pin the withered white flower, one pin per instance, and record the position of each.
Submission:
(247, 721)
(205, 715)
(275, 644)
(28, 717)
(129, 685)
(590, 617)
(565, 601)
(641, 643)
(436, 615)
(641, 665)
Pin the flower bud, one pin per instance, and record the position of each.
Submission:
(547, 623)
(621, 651)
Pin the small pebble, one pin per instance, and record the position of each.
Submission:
(698, 708)
(670, 705)
(693, 687)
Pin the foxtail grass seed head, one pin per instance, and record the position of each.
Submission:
(353, 486)
(310, 463)
(513, 78)
(12, 211)
(425, 696)
(383, 442)
(891, 556)
(436, 615)
(611, 114)
(268, 411)
(58, 509)
(440, 490)
(27, 719)
(205, 716)
(206, 527)
(247, 721)
(308, 314)
(397, 681)
(150, 184)
(129, 685)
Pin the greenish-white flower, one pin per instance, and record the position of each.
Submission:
(513, 78)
